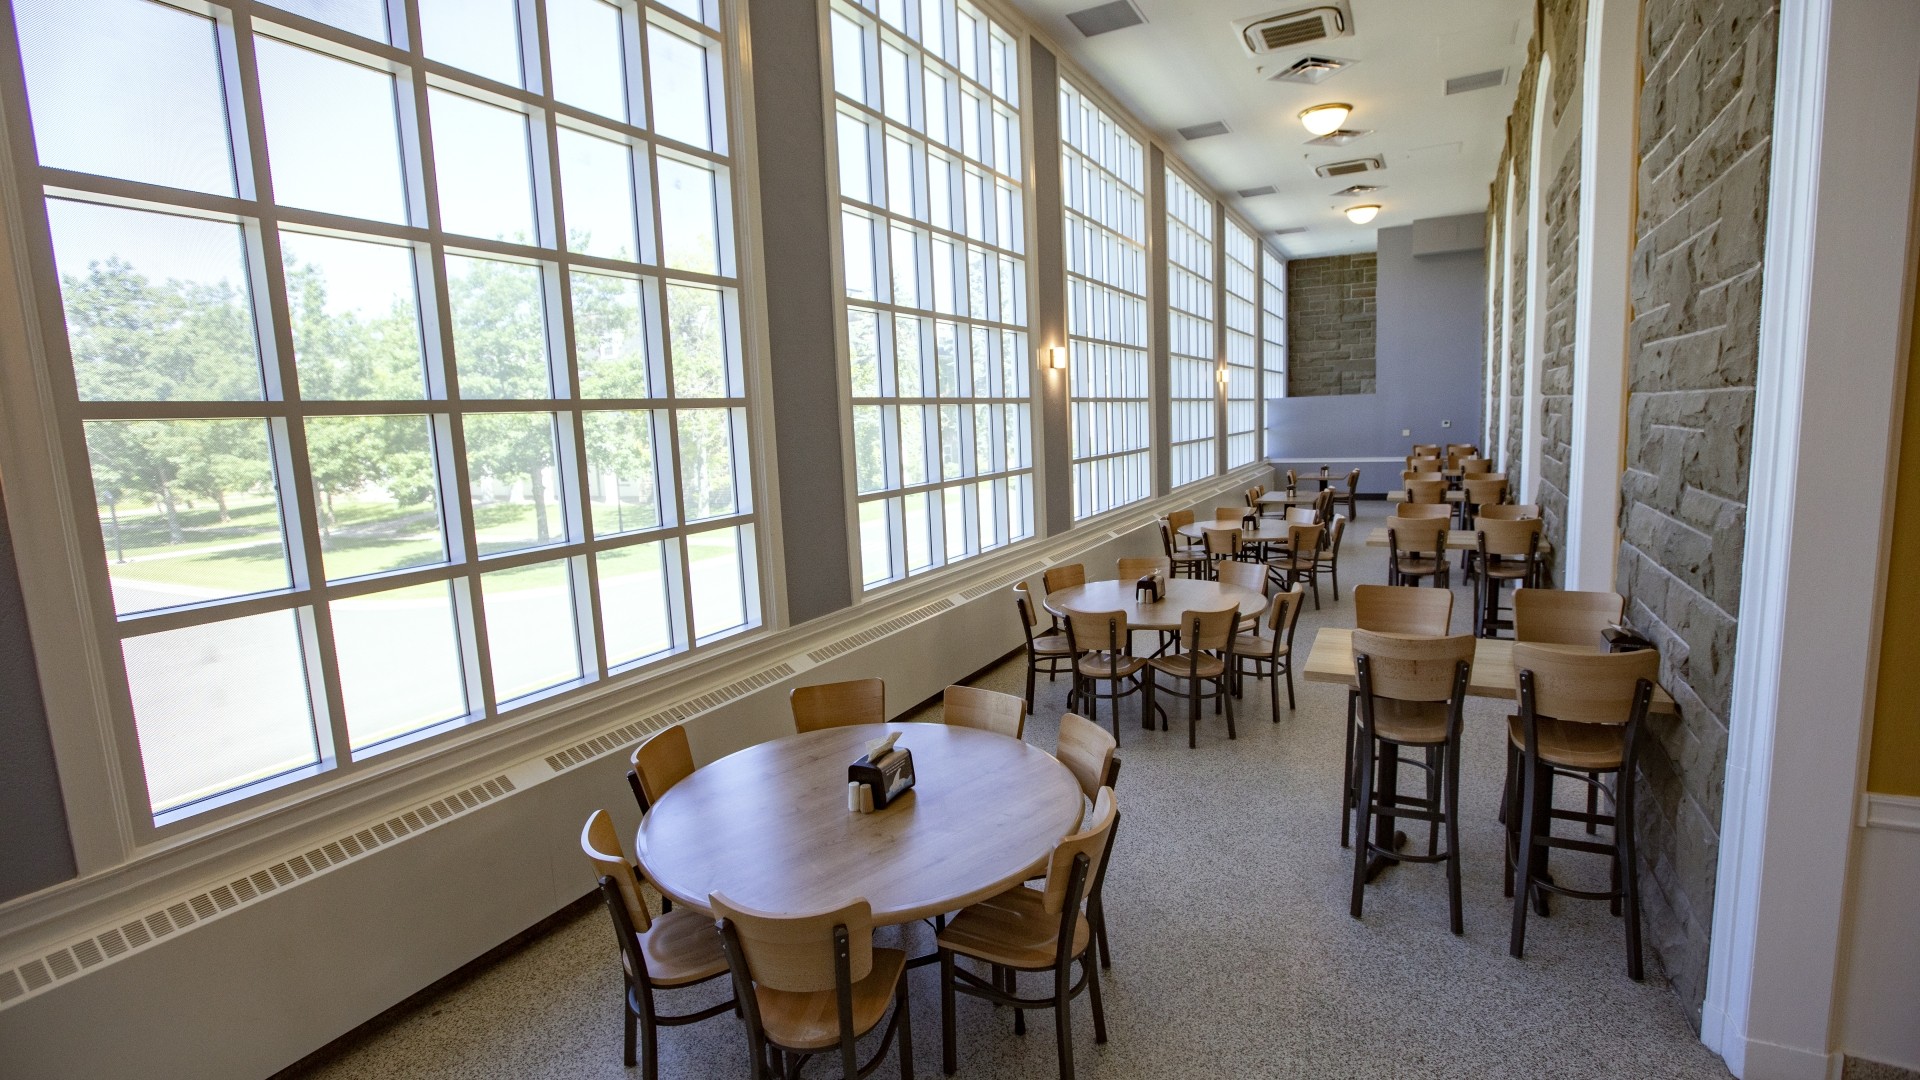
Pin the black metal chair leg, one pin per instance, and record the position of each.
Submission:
(1063, 1017)
(1093, 999)
(947, 1062)
(1523, 870)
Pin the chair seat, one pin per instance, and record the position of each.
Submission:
(1052, 645)
(1102, 664)
(1294, 562)
(811, 1020)
(1504, 567)
(1587, 747)
(1412, 723)
(1189, 556)
(682, 947)
(1257, 646)
(1012, 929)
(1183, 664)
(1419, 565)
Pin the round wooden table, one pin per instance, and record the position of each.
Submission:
(1270, 531)
(1183, 594)
(769, 827)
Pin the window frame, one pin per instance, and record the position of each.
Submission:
(1240, 376)
(1206, 327)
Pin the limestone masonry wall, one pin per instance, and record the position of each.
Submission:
(1330, 325)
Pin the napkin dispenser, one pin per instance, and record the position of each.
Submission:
(1621, 639)
(1151, 588)
(887, 776)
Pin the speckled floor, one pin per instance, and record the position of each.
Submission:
(1233, 953)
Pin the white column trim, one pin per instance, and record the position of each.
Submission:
(1836, 273)
(1609, 162)
(1532, 412)
(1504, 392)
(1882, 811)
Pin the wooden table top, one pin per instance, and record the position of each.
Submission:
(1281, 498)
(769, 825)
(1331, 661)
(1183, 594)
(1457, 539)
(1400, 496)
(1270, 530)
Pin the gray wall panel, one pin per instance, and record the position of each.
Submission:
(34, 849)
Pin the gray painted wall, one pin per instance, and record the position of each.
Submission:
(1430, 314)
(34, 850)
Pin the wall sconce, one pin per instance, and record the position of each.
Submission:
(1057, 357)
(1221, 375)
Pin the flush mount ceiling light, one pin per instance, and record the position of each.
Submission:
(1322, 119)
(1360, 215)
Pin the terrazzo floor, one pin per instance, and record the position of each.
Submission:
(1233, 953)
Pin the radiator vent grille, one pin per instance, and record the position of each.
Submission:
(1005, 581)
(29, 977)
(628, 734)
(875, 633)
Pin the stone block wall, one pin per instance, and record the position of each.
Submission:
(1330, 325)
(1706, 115)
(1556, 369)
(1519, 142)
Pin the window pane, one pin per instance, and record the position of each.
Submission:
(596, 176)
(481, 36)
(584, 39)
(127, 88)
(692, 9)
(707, 463)
(516, 504)
(718, 580)
(532, 636)
(378, 493)
(679, 86)
(499, 328)
(220, 706)
(698, 334)
(634, 611)
(188, 510)
(485, 174)
(689, 225)
(869, 449)
(356, 318)
(856, 176)
(321, 112)
(863, 332)
(400, 666)
(876, 546)
(620, 472)
(368, 18)
(609, 337)
(849, 62)
(157, 305)
(919, 527)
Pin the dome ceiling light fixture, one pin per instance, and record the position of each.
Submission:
(1360, 215)
(1323, 119)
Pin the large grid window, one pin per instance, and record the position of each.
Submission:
(1102, 171)
(932, 232)
(408, 371)
(1273, 323)
(1241, 289)
(1191, 363)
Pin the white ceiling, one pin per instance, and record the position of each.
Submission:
(1185, 66)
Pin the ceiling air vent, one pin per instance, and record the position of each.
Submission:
(1349, 168)
(1340, 137)
(1105, 18)
(1204, 131)
(1310, 70)
(1289, 230)
(1461, 84)
(1255, 192)
(1358, 189)
(1285, 29)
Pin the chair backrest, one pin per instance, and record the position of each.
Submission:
(1253, 497)
(1209, 631)
(1507, 512)
(1222, 541)
(1564, 616)
(796, 952)
(839, 704)
(1304, 540)
(1426, 449)
(1403, 609)
(1229, 513)
(1090, 841)
(1408, 667)
(985, 710)
(1247, 575)
(1179, 519)
(1335, 533)
(1353, 481)
(600, 842)
(1283, 615)
(663, 761)
(1407, 475)
(1088, 631)
(1166, 540)
(1135, 567)
(1302, 515)
(1580, 687)
(1474, 465)
(1086, 749)
(1485, 492)
(1514, 538)
(1323, 503)
(1023, 599)
(1422, 511)
(1064, 576)
(1293, 479)
(1427, 491)
(1418, 536)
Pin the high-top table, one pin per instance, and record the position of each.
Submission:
(769, 826)
(1331, 661)
(1457, 539)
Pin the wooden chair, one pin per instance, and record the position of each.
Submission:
(1565, 616)
(1064, 576)
(1505, 552)
(838, 704)
(1204, 655)
(985, 710)
(1461, 450)
(1473, 466)
(1246, 575)
(1327, 559)
(1426, 449)
(1302, 515)
(675, 950)
(1026, 929)
(1416, 549)
(1323, 505)
(1430, 473)
(1412, 693)
(1426, 491)
(1177, 520)
(1050, 652)
(1088, 753)
(1352, 495)
(1478, 493)
(1580, 713)
(1421, 512)
(1267, 651)
(659, 763)
(1402, 609)
(1221, 545)
(1135, 567)
(1229, 515)
(812, 984)
(1185, 561)
(1102, 642)
(1297, 563)
(1508, 512)
(1293, 481)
